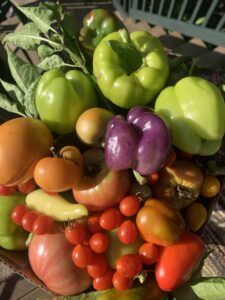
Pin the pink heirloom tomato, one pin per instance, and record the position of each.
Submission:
(100, 187)
(50, 257)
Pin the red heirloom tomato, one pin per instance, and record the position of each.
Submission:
(100, 187)
(177, 262)
(50, 257)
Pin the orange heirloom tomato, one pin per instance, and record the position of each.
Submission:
(159, 223)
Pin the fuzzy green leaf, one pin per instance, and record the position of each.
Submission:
(23, 73)
(29, 101)
(41, 16)
(54, 61)
(14, 92)
(28, 37)
(11, 106)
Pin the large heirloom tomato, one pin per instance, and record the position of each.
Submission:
(100, 187)
(50, 257)
(178, 261)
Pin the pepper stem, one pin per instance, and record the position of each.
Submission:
(125, 35)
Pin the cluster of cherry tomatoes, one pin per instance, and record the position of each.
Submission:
(91, 242)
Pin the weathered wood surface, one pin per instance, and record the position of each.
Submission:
(12, 285)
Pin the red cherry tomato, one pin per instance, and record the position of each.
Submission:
(103, 282)
(75, 233)
(93, 223)
(129, 265)
(43, 224)
(82, 255)
(99, 242)
(28, 220)
(129, 205)
(7, 190)
(18, 212)
(149, 253)
(98, 266)
(111, 218)
(128, 232)
(121, 283)
(27, 186)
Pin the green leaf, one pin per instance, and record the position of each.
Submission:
(28, 37)
(23, 73)
(45, 51)
(54, 61)
(14, 92)
(42, 16)
(29, 101)
(212, 288)
(55, 7)
(11, 106)
(129, 57)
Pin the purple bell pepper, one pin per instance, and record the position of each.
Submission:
(140, 142)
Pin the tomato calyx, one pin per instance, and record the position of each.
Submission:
(186, 193)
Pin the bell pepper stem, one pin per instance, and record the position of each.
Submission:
(125, 36)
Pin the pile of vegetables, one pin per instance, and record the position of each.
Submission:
(108, 169)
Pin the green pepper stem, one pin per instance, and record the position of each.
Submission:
(125, 36)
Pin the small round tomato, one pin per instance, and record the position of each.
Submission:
(43, 224)
(93, 222)
(149, 253)
(75, 233)
(18, 212)
(7, 190)
(28, 220)
(121, 283)
(98, 266)
(129, 205)
(128, 232)
(111, 218)
(129, 265)
(82, 256)
(99, 242)
(27, 186)
(103, 282)
(210, 186)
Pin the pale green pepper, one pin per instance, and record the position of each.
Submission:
(195, 111)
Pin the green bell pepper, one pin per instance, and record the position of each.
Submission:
(130, 69)
(61, 98)
(195, 111)
(12, 237)
(98, 23)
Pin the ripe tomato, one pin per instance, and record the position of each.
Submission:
(7, 190)
(103, 282)
(210, 186)
(111, 218)
(28, 220)
(129, 205)
(149, 253)
(27, 186)
(103, 189)
(121, 283)
(82, 255)
(43, 224)
(99, 242)
(75, 233)
(18, 212)
(129, 265)
(93, 222)
(98, 266)
(128, 232)
(48, 173)
(62, 278)
(195, 215)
